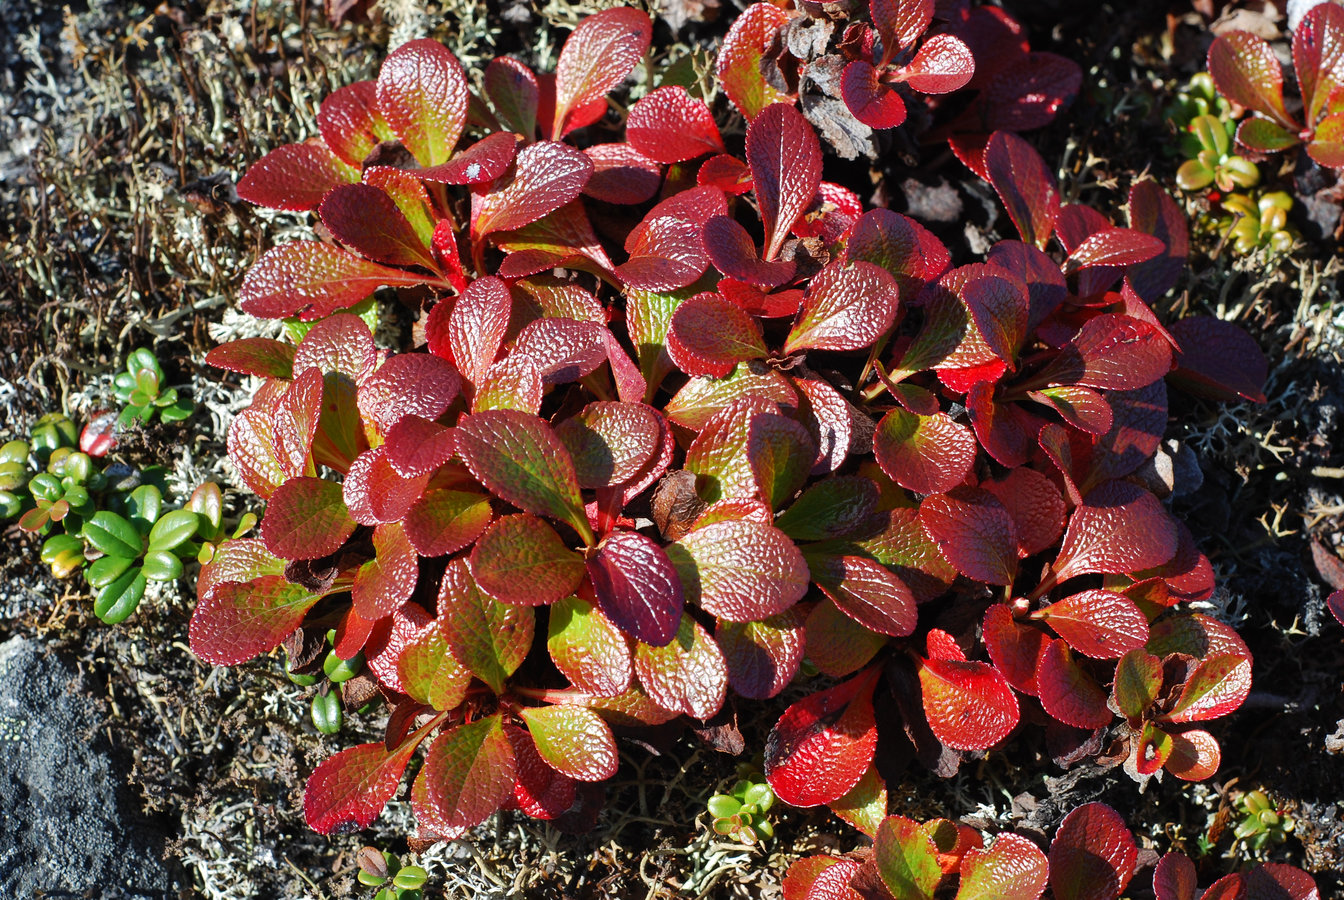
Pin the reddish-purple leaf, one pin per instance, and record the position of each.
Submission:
(418, 384)
(564, 350)
(1027, 94)
(245, 606)
(823, 744)
(687, 674)
(1152, 210)
(1218, 360)
(1114, 247)
(385, 582)
(313, 280)
(1119, 528)
(295, 177)
(665, 254)
(1097, 623)
(847, 306)
(306, 519)
(1068, 692)
(925, 454)
(469, 772)
(263, 357)
(637, 587)
(341, 344)
(904, 545)
(1246, 72)
(621, 174)
(943, 64)
(727, 173)
(738, 67)
(709, 336)
(422, 93)
(900, 22)
(1014, 648)
(1035, 506)
(1175, 878)
(670, 126)
(700, 398)
(869, 99)
(1219, 685)
(1092, 856)
(573, 740)
(482, 162)
(785, 160)
(541, 791)
(545, 177)
(1318, 57)
(520, 460)
(475, 327)
(512, 383)
(596, 58)
(820, 878)
(969, 705)
(734, 254)
(1195, 756)
(417, 446)
(513, 93)
(762, 657)
(588, 648)
(866, 591)
(349, 790)
(520, 559)
(375, 492)
(740, 571)
(610, 442)
(1336, 604)
(351, 123)
(974, 532)
(828, 417)
(1025, 184)
(368, 221)
(1013, 868)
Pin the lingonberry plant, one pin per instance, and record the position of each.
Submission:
(1248, 73)
(780, 428)
(1093, 856)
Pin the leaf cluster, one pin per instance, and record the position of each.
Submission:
(780, 428)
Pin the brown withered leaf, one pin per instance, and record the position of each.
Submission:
(676, 505)
(1330, 566)
(357, 691)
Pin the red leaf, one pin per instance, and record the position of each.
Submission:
(1195, 756)
(974, 532)
(710, 336)
(1027, 94)
(295, 177)
(1219, 684)
(637, 587)
(1097, 623)
(482, 162)
(1336, 604)
(823, 744)
(418, 384)
(1246, 72)
(733, 253)
(564, 350)
(762, 657)
(520, 559)
(1318, 57)
(828, 418)
(1035, 506)
(1092, 856)
(469, 772)
(520, 460)
(1120, 528)
(351, 123)
(1139, 419)
(836, 644)
(1114, 247)
(423, 665)
(423, 93)
(263, 357)
(474, 329)
(670, 126)
(342, 345)
(512, 91)
(1067, 692)
(349, 790)
(943, 64)
(1218, 360)
(847, 306)
(1175, 878)
(588, 648)
(1152, 210)
(237, 619)
(1025, 184)
(621, 174)
(596, 58)
(665, 254)
(368, 221)
(738, 67)
(306, 519)
(417, 446)
(900, 22)
(740, 571)
(785, 160)
(572, 740)
(727, 173)
(867, 592)
(870, 100)
(1014, 648)
(969, 705)
(905, 546)
(374, 492)
(610, 442)
(925, 454)
(313, 280)
(1013, 868)
(1194, 635)
(900, 245)
(514, 383)
(489, 638)
(545, 177)
(385, 582)
(820, 878)
(687, 675)
(541, 791)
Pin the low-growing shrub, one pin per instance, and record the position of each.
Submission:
(685, 417)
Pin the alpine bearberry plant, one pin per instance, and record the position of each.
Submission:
(1093, 856)
(684, 418)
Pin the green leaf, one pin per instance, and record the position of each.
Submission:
(429, 672)
(587, 648)
(104, 571)
(144, 505)
(702, 397)
(489, 638)
(865, 806)
(688, 675)
(718, 456)
(113, 535)
(519, 459)
(780, 452)
(1013, 868)
(119, 599)
(573, 740)
(1138, 679)
(906, 859)
(172, 529)
(161, 565)
(521, 560)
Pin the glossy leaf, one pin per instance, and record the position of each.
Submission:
(740, 571)
(865, 805)
(1013, 868)
(1015, 648)
(869, 99)
(428, 671)
(541, 791)
(1218, 360)
(733, 253)
(762, 657)
(313, 280)
(596, 58)
(907, 859)
(785, 161)
(1035, 506)
(573, 740)
(901, 22)
(307, 519)
(943, 64)
(588, 648)
(385, 582)
(846, 307)
(1120, 528)
(351, 123)
(708, 335)
(837, 644)
(670, 126)
(349, 790)
(738, 67)
(637, 586)
(482, 162)
(237, 620)
(1025, 184)
(610, 442)
(687, 675)
(780, 452)
(1097, 623)
(469, 772)
(1175, 878)
(925, 454)
(1216, 687)
(368, 221)
(1195, 756)
(1246, 72)
(1092, 856)
(295, 177)
(823, 744)
(521, 560)
(832, 508)
(545, 176)
(974, 532)
(1067, 692)
(513, 92)
(969, 705)
(866, 591)
(621, 174)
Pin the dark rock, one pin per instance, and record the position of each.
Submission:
(67, 824)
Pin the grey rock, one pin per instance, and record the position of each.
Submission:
(67, 826)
